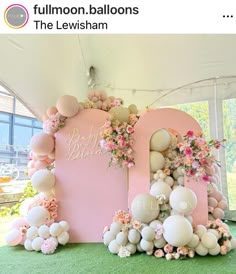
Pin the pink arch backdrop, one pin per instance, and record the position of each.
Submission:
(139, 176)
(88, 190)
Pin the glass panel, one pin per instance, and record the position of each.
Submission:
(4, 135)
(199, 111)
(36, 123)
(22, 135)
(229, 107)
(4, 117)
(37, 130)
(22, 121)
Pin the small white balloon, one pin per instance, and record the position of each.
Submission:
(65, 226)
(115, 228)
(122, 238)
(28, 245)
(114, 247)
(32, 233)
(169, 180)
(108, 237)
(37, 243)
(160, 140)
(161, 188)
(160, 243)
(148, 233)
(134, 236)
(131, 247)
(194, 241)
(157, 161)
(63, 238)
(139, 248)
(214, 251)
(201, 250)
(200, 230)
(213, 231)
(55, 229)
(146, 245)
(43, 231)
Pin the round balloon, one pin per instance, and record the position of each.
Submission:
(67, 106)
(145, 208)
(157, 161)
(177, 230)
(42, 144)
(160, 140)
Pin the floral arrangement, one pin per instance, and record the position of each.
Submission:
(117, 139)
(196, 156)
(223, 234)
(54, 123)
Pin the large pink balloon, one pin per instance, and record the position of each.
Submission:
(67, 106)
(42, 144)
(18, 223)
(13, 237)
(41, 164)
(51, 111)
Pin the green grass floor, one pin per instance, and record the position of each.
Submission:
(95, 258)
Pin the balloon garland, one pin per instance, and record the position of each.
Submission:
(37, 229)
(161, 222)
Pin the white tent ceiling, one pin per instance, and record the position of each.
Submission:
(40, 68)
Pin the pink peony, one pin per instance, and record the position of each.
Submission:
(49, 246)
(130, 129)
(168, 256)
(137, 224)
(168, 248)
(223, 250)
(190, 134)
(159, 253)
(188, 151)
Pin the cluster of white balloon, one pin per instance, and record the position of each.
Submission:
(164, 215)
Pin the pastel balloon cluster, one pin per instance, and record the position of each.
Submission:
(45, 238)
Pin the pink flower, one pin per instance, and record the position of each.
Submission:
(159, 231)
(188, 151)
(107, 124)
(191, 253)
(49, 246)
(168, 248)
(182, 250)
(190, 134)
(149, 252)
(195, 164)
(136, 225)
(159, 253)
(130, 164)
(223, 250)
(177, 255)
(130, 129)
(205, 178)
(106, 228)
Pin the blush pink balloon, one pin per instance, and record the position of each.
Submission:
(41, 164)
(45, 117)
(31, 164)
(42, 144)
(212, 202)
(13, 237)
(51, 111)
(18, 223)
(218, 213)
(217, 195)
(67, 105)
(32, 171)
(222, 204)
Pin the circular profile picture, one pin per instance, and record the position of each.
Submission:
(16, 16)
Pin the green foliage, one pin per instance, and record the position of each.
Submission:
(199, 111)
(15, 209)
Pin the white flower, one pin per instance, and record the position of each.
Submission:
(123, 252)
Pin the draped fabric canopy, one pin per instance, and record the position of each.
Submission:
(137, 68)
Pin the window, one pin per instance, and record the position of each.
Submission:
(199, 111)
(229, 120)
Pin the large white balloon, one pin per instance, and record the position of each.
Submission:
(177, 230)
(43, 180)
(157, 161)
(183, 200)
(145, 208)
(37, 216)
(161, 188)
(160, 140)
(119, 113)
